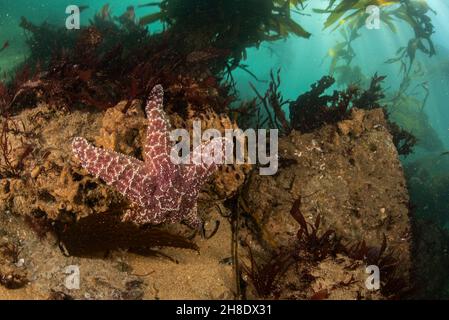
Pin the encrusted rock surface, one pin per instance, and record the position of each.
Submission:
(348, 173)
(352, 177)
(52, 182)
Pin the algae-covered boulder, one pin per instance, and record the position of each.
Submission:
(349, 175)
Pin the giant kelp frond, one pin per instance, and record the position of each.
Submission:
(415, 14)
(353, 14)
(350, 11)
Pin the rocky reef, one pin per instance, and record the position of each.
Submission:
(347, 174)
(337, 204)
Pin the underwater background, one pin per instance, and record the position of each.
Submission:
(302, 61)
(415, 88)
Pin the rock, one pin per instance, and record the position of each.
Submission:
(52, 180)
(349, 174)
(342, 279)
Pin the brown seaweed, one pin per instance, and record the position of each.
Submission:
(309, 239)
(232, 25)
(315, 109)
(100, 233)
(310, 245)
(265, 277)
(273, 102)
(313, 245)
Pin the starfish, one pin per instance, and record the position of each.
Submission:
(159, 189)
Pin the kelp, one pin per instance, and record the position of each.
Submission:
(273, 104)
(346, 75)
(4, 46)
(115, 58)
(231, 25)
(350, 16)
(415, 13)
(342, 53)
(405, 107)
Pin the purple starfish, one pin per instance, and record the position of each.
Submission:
(159, 190)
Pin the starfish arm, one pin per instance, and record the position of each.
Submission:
(210, 155)
(141, 215)
(157, 144)
(126, 174)
(192, 219)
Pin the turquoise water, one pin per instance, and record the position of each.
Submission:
(302, 62)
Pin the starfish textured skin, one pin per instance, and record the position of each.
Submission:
(159, 189)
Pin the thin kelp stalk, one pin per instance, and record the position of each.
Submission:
(276, 100)
(272, 100)
(235, 224)
(5, 45)
(265, 105)
(425, 87)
